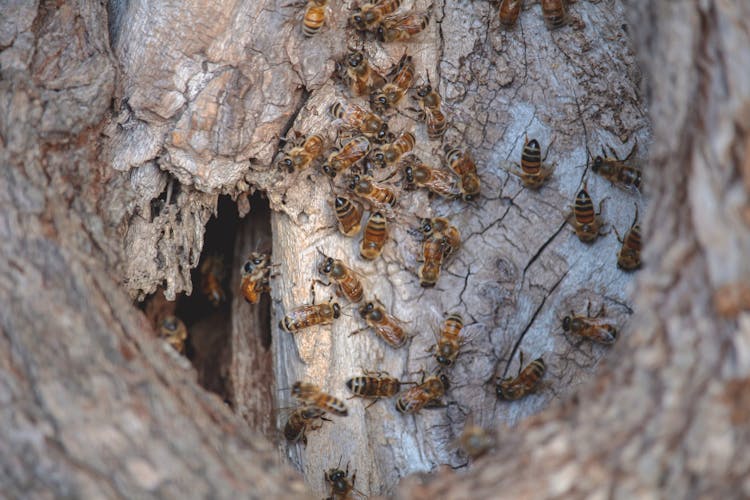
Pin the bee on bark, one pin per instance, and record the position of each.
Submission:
(388, 154)
(385, 326)
(256, 273)
(315, 17)
(594, 328)
(303, 152)
(587, 223)
(534, 172)
(526, 382)
(311, 395)
(374, 237)
(433, 255)
(425, 395)
(553, 12)
(437, 181)
(374, 385)
(174, 332)
(347, 281)
(212, 272)
(616, 171)
(430, 112)
(464, 167)
(475, 441)
(366, 189)
(401, 27)
(341, 487)
(400, 80)
(310, 315)
(369, 16)
(348, 215)
(440, 228)
(358, 118)
(342, 159)
(629, 256)
(361, 76)
(509, 11)
(302, 420)
(449, 343)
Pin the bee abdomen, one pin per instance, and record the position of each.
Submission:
(531, 158)
(314, 20)
(584, 208)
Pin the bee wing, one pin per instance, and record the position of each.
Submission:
(407, 21)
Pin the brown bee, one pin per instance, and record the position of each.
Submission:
(359, 73)
(347, 281)
(255, 276)
(534, 172)
(342, 159)
(212, 272)
(592, 328)
(629, 256)
(437, 181)
(449, 343)
(310, 315)
(303, 152)
(441, 229)
(401, 27)
(375, 236)
(586, 222)
(315, 17)
(509, 11)
(349, 215)
(302, 420)
(365, 188)
(385, 326)
(554, 13)
(341, 487)
(425, 395)
(616, 171)
(400, 80)
(173, 330)
(374, 385)
(475, 441)
(311, 395)
(429, 111)
(388, 154)
(526, 382)
(360, 119)
(432, 256)
(463, 165)
(369, 16)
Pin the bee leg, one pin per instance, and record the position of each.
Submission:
(548, 148)
(373, 402)
(601, 204)
(360, 330)
(618, 235)
(632, 150)
(601, 312)
(520, 364)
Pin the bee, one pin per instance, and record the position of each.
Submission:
(586, 222)
(347, 281)
(369, 16)
(311, 395)
(629, 256)
(592, 328)
(437, 181)
(432, 256)
(509, 11)
(440, 228)
(173, 330)
(389, 154)
(553, 12)
(374, 385)
(365, 188)
(475, 441)
(450, 340)
(302, 420)
(358, 118)
(310, 315)
(425, 395)
(315, 17)
(375, 235)
(349, 215)
(464, 167)
(341, 487)
(616, 171)
(212, 272)
(385, 326)
(401, 27)
(526, 382)
(534, 172)
(400, 80)
(255, 275)
(360, 74)
(304, 151)
(341, 159)
(430, 112)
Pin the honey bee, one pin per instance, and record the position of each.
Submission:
(302, 420)
(369, 16)
(432, 256)
(475, 441)
(374, 238)
(526, 382)
(430, 112)
(616, 171)
(509, 11)
(360, 119)
(401, 27)
(389, 154)
(360, 74)
(311, 395)
(315, 17)
(629, 256)
(385, 326)
(365, 188)
(437, 181)
(342, 159)
(173, 330)
(400, 80)
(440, 228)
(347, 281)
(349, 215)
(553, 12)
(310, 315)
(212, 272)
(449, 343)
(255, 275)
(374, 385)
(586, 222)
(304, 151)
(463, 165)
(425, 395)
(592, 328)
(341, 487)
(534, 172)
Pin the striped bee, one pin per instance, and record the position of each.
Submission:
(425, 395)
(616, 171)
(594, 328)
(526, 382)
(374, 385)
(534, 172)
(629, 256)
(587, 223)
(315, 17)
(311, 395)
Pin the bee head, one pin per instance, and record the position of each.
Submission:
(424, 90)
(339, 202)
(533, 144)
(566, 323)
(287, 162)
(598, 162)
(329, 171)
(426, 226)
(444, 380)
(443, 360)
(170, 323)
(409, 174)
(355, 59)
(327, 266)
(336, 310)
